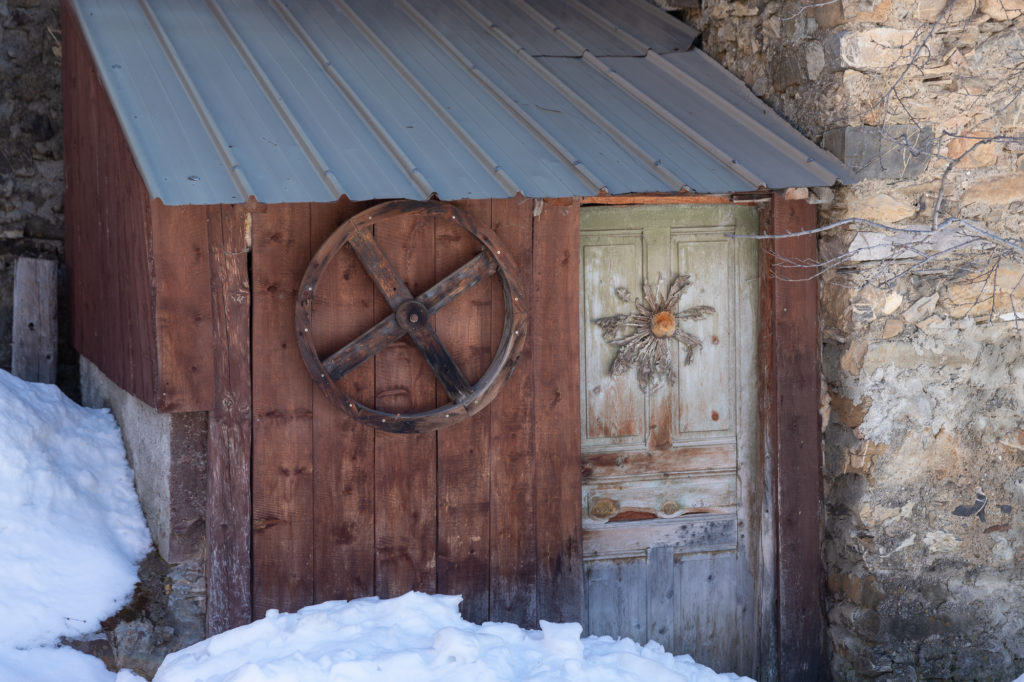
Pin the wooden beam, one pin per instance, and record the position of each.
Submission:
(229, 449)
(792, 446)
(34, 351)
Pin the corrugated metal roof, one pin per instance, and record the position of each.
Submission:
(303, 100)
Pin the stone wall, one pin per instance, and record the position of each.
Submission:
(923, 361)
(31, 159)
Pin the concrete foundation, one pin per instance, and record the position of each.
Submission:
(168, 455)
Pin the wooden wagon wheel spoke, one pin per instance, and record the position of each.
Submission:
(387, 331)
(436, 355)
(379, 268)
(460, 281)
(412, 316)
(369, 343)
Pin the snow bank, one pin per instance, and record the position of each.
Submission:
(71, 530)
(423, 638)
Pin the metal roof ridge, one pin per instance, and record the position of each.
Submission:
(317, 161)
(529, 121)
(773, 138)
(223, 150)
(467, 140)
(415, 175)
(613, 132)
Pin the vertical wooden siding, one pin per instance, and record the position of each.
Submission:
(488, 508)
(139, 271)
(108, 243)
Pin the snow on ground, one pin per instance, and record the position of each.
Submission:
(423, 638)
(71, 531)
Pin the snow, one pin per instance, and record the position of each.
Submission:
(419, 637)
(71, 530)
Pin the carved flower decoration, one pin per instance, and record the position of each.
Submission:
(643, 336)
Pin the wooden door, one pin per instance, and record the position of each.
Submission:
(669, 494)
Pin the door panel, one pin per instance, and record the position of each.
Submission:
(613, 411)
(703, 401)
(669, 522)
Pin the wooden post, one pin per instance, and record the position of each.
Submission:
(34, 352)
(791, 440)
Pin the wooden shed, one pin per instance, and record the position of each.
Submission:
(467, 294)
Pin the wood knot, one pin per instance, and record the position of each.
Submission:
(602, 508)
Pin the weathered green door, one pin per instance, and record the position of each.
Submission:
(670, 478)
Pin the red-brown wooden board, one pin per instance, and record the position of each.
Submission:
(463, 468)
(228, 498)
(282, 416)
(556, 253)
(343, 451)
(513, 558)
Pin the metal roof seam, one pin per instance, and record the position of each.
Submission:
(676, 122)
(388, 142)
(767, 133)
(610, 129)
(223, 150)
(276, 101)
(478, 152)
(530, 122)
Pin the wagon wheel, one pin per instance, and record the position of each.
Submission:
(412, 315)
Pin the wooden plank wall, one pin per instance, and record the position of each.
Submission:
(139, 271)
(108, 247)
(488, 508)
(790, 379)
